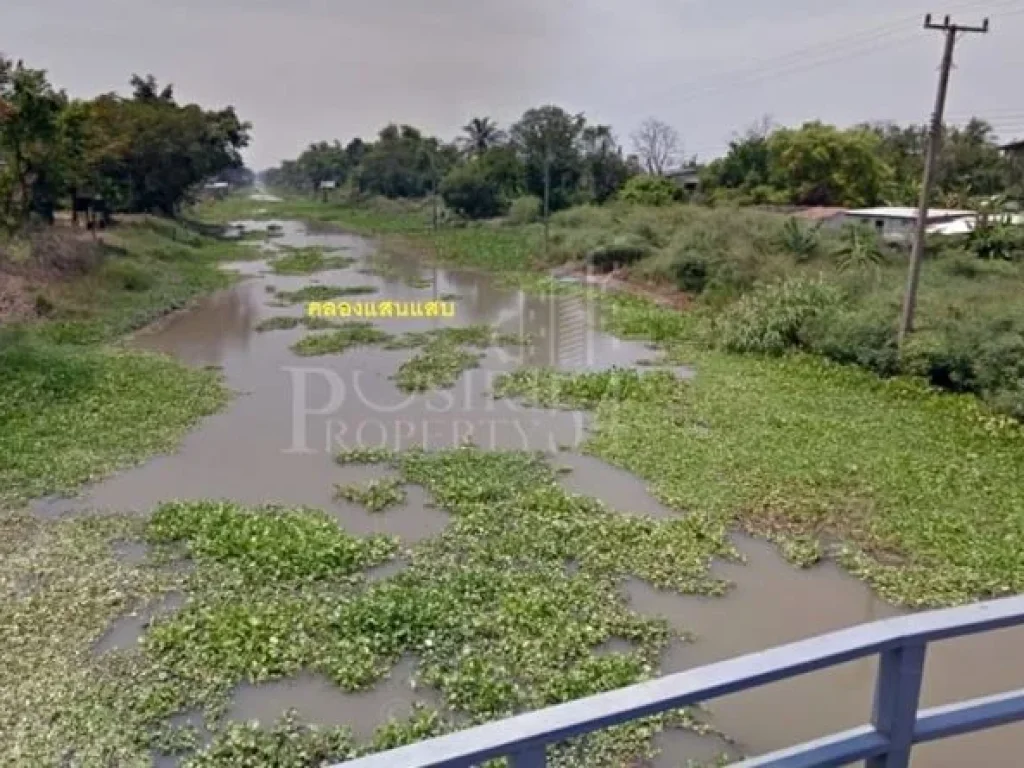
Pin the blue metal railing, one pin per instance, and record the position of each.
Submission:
(896, 724)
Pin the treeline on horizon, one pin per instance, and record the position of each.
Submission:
(142, 153)
(481, 173)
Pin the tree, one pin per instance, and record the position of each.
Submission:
(471, 192)
(502, 165)
(658, 146)
(31, 143)
(404, 163)
(148, 154)
(146, 89)
(604, 169)
(481, 133)
(547, 140)
(746, 166)
(819, 164)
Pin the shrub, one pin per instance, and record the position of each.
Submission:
(621, 251)
(774, 316)
(864, 337)
(800, 241)
(128, 275)
(692, 272)
(650, 190)
(525, 210)
(997, 241)
(859, 247)
(470, 192)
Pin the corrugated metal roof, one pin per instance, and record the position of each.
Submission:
(967, 224)
(907, 213)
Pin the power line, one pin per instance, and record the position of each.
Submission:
(853, 45)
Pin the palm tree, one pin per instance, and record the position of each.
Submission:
(482, 133)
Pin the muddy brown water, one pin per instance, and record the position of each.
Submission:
(275, 443)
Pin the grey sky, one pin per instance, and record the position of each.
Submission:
(305, 70)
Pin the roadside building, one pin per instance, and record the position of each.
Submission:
(326, 187)
(897, 224)
(967, 224)
(687, 179)
(217, 189)
(1015, 147)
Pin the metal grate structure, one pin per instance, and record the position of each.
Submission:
(896, 722)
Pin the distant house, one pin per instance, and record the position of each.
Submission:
(687, 179)
(217, 189)
(967, 224)
(897, 224)
(1014, 147)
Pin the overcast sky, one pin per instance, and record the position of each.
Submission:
(305, 70)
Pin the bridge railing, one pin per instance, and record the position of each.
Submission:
(896, 723)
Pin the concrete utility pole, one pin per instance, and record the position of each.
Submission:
(934, 143)
(547, 198)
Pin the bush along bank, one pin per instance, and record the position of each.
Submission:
(73, 408)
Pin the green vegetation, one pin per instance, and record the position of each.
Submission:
(365, 456)
(276, 591)
(71, 414)
(650, 190)
(800, 449)
(376, 496)
(322, 293)
(287, 323)
(437, 366)
(345, 336)
(73, 411)
(142, 271)
(808, 452)
(867, 165)
(141, 154)
(305, 261)
(268, 545)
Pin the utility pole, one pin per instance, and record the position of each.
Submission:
(934, 143)
(547, 199)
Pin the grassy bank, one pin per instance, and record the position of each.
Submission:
(72, 408)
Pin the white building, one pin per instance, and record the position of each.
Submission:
(966, 225)
(897, 224)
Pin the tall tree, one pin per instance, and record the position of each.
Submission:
(547, 140)
(819, 164)
(604, 169)
(658, 146)
(480, 134)
(31, 143)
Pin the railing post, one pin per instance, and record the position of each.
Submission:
(897, 692)
(531, 757)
